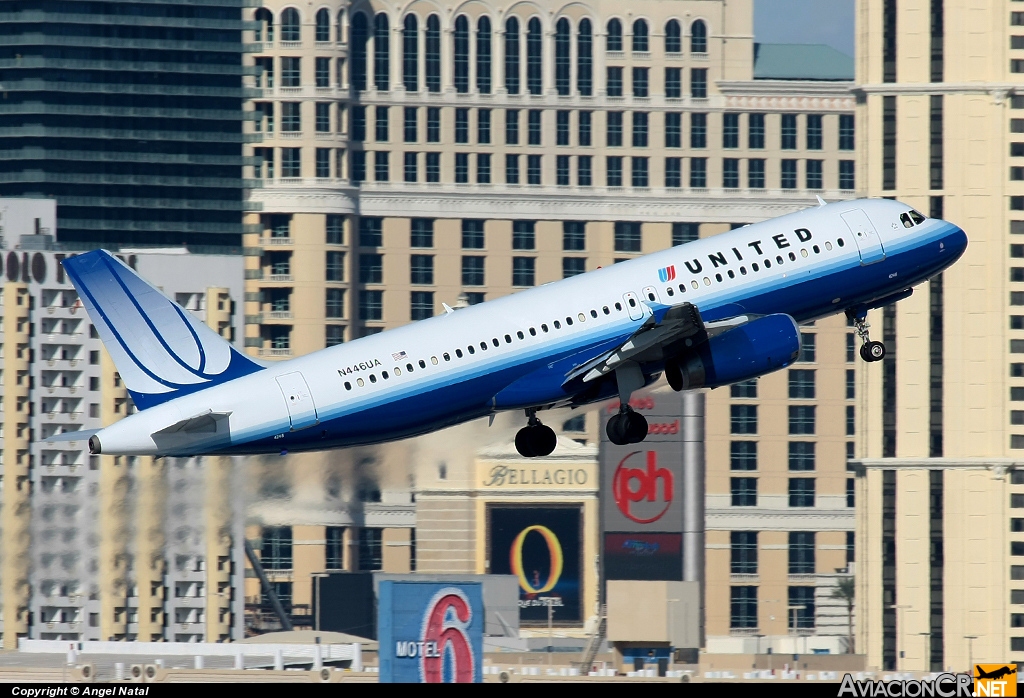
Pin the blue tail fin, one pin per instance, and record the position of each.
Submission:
(160, 350)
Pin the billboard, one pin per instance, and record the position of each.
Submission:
(541, 547)
(644, 556)
(430, 632)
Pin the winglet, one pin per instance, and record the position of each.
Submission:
(447, 309)
(821, 201)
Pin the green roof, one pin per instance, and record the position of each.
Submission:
(801, 62)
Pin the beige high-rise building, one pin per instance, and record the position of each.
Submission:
(939, 118)
(431, 154)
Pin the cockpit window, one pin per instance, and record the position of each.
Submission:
(911, 218)
(905, 219)
(917, 217)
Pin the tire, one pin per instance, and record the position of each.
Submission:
(674, 375)
(524, 444)
(542, 440)
(635, 427)
(615, 431)
(876, 350)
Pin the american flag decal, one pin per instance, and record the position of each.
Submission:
(399, 356)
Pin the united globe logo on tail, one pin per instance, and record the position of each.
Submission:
(445, 625)
(667, 274)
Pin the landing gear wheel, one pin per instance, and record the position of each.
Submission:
(674, 375)
(626, 427)
(535, 439)
(872, 351)
(524, 444)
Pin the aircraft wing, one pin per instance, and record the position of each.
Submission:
(680, 327)
(80, 435)
(203, 422)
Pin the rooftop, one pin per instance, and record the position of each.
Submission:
(801, 62)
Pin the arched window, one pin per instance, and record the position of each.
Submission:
(512, 56)
(410, 54)
(673, 37)
(534, 47)
(640, 37)
(290, 25)
(585, 59)
(563, 42)
(432, 51)
(614, 35)
(323, 25)
(339, 31)
(381, 52)
(483, 55)
(698, 37)
(358, 51)
(265, 30)
(461, 53)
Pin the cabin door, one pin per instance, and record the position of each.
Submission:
(865, 236)
(301, 410)
(633, 307)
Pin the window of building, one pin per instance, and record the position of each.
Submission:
(370, 549)
(641, 83)
(730, 173)
(523, 235)
(381, 168)
(614, 36)
(789, 168)
(673, 172)
(744, 389)
(472, 234)
(323, 163)
(814, 178)
(755, 173)
(640, 122)
(574, 236)
(743, 552)
(801, 602)
(533, 169)
(789, 132)
(511, 126)
(640, 172)
(472, 271)
(370, 232)
(846, 132)
(743, 419)
(371, 268)
(511, 169)
(614, 82)
(628, 236)
(801, 419)
(381, 52)
(562, 127)
(698, 173)
(801, 552)
(512, 68)
(673, 130)
(291, 163)
(422, 232)
(483, 168)
(808, 346)
(743, 455)
(323, 72)
(563, 43)
(585, 59)
(335, 268)
(335, 303)
(851, 490)
(801, 455)
(433, 168)
(847, 181)
(276, 551)
(335, 548)
(743, 491)
(291, 116)
(534, 46)
(699, 83)
(573, 266)
(743, 607)
(614, 170)
(334, 335)
(371, 305)
(801, 491)
(410, 167)
(562, 170)
(814, 131)
(584, 131)
(755, 138)
(291, 74)
(685, 232)
(421, 305)
(421, 269)
(523, 271)
(584, 169)
(698, 130)
(730, 130)
(460, 54)
(483, 126)
(462, 125)
(461, 168)
(483, 55)
(801, 383)
(410, 54)
(614, 137)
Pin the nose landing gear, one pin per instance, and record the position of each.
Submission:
(535, 439)
(870, 351)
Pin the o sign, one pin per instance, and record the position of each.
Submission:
(554, 551)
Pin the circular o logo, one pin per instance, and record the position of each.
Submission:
(554, 553)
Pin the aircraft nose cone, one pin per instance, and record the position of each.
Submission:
(956, 241)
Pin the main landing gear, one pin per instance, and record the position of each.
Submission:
(869, 351)
(627, 427)
(535, 439)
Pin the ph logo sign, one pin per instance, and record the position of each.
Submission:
(643, 495)
(995, 680)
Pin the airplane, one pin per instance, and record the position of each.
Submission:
(995, 673)
(707, 313)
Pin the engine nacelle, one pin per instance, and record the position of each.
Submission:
(748, 351)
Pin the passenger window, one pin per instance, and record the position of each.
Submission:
(384, 375)
(840, 242)
(828, 245)
(754, 266)
(424, 365)
(583, 318)
(348, 386)
(557, 325)
(718, 278)
(682, 288)
(508, 340)
(568, 321)
(632, 303)
(905, 219)
(398, 371)
(520, 334)
(606, 311)
(792, 256)
(543, 328)
(779, 260)
(593, 314)
(360, 382)
(732, 275)
(447, 356)
(533, 332)
(408, 367)
(495, 342)
(669, 291)
(433, 360)
(803, 252)
(695, 284)
(707, 281)
(743, 271)
(916, 217)
(767, 264)
(618, 306)
(471, 349)
(650, 296)
(458, 353)
(483, 346)
(373, 378)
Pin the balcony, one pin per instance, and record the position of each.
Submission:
(266, 242)
(281, 278)
(275, 352)
(279, 315)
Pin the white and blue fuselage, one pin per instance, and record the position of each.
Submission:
(514, 352)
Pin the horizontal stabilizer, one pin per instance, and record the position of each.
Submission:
(80, 435)
(205, 422)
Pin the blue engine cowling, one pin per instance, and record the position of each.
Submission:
(748, 351)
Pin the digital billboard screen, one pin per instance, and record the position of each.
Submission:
(646, 556)
(541, 547)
